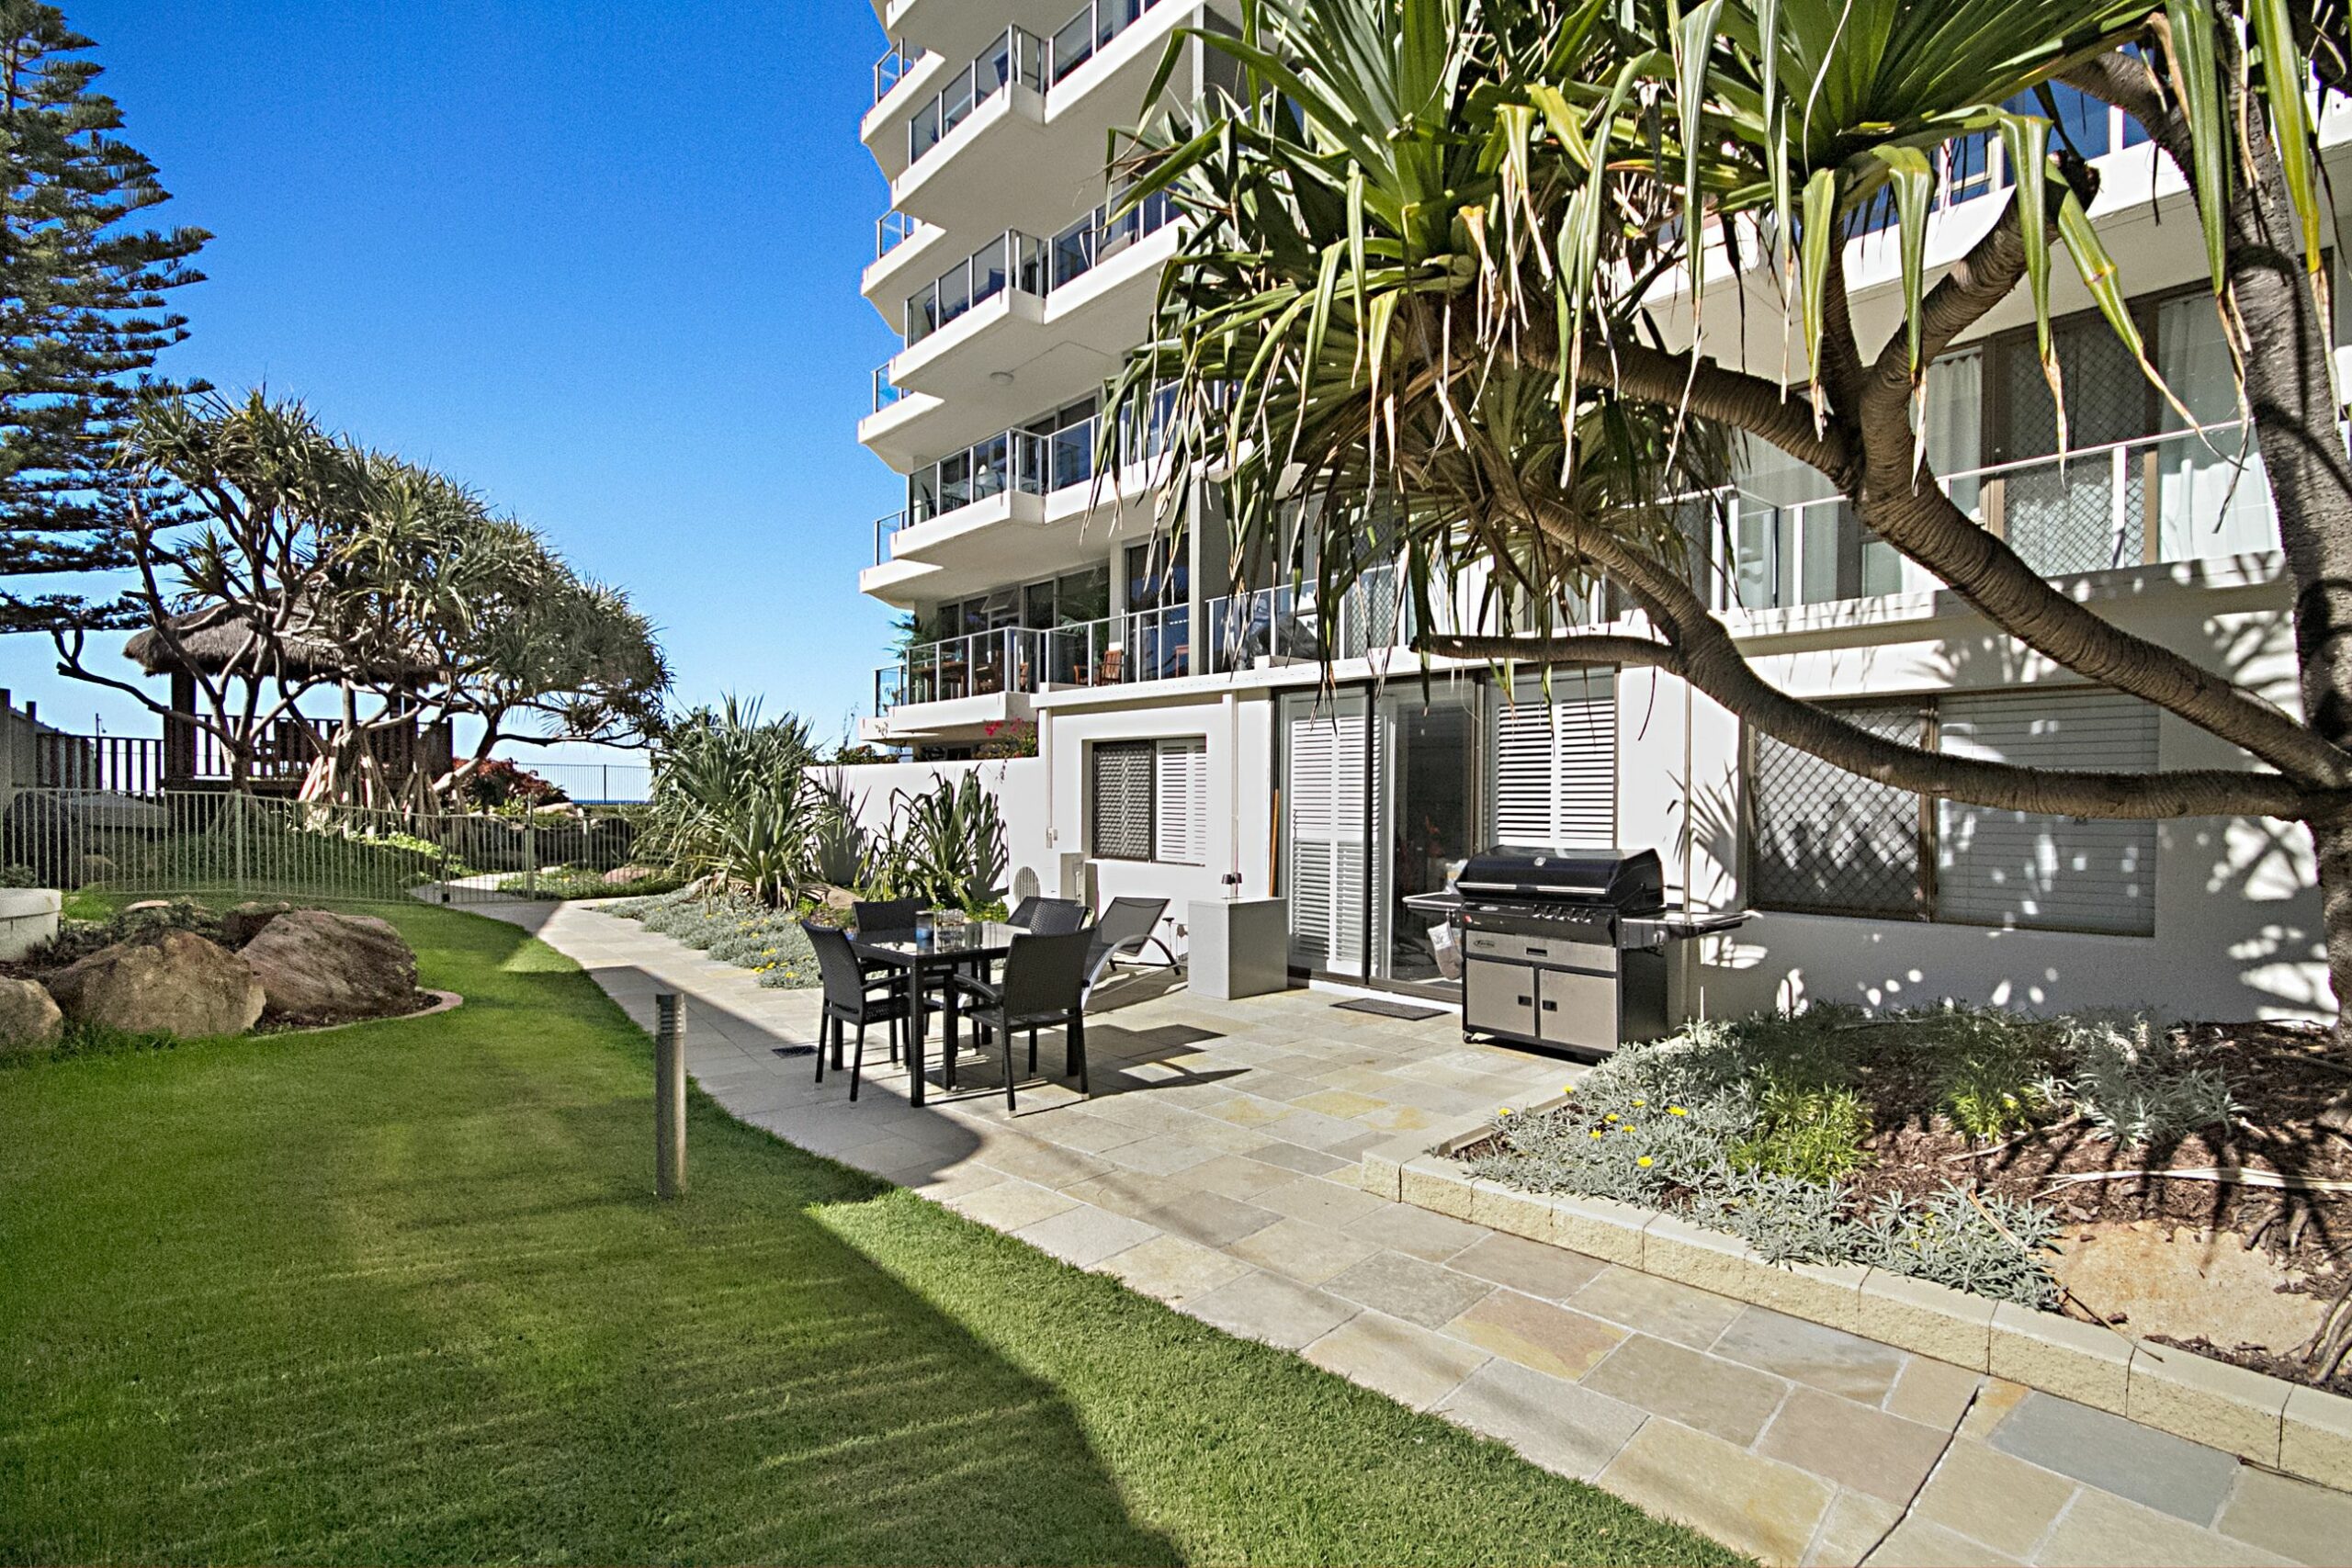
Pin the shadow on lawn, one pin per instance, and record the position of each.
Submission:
(418, 1303)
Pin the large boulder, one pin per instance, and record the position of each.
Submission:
(28, 1018)
(247, 921)
(173, 982)
(314, 964)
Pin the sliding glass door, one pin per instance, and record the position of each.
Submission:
(1427, 819)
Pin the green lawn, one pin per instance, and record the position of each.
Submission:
(402, 1293)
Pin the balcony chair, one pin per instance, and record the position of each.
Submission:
(1044, 986)
(1108, 672)
(872, 917)
(851, 997)
(1125, 930)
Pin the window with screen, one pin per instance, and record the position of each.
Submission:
(1824, 840)
(1148, 800)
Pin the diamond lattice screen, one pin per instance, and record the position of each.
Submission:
(1833, 841)
(2082, 515)
(1121, 826)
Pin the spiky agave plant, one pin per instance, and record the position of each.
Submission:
(948, 848)
(732, 801)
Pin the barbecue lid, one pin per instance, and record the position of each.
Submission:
(1629, 880)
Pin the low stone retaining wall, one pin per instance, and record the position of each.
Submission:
(2287, 1427)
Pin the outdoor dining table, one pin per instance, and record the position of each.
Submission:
(977, 945)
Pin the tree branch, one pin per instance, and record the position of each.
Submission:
(1583, 647)
(1734, 398)
(1710, 661)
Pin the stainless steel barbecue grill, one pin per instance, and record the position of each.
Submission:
(1566, 947)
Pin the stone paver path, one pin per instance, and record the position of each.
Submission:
(1212, 1168)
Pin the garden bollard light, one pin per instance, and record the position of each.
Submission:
(669, 1096)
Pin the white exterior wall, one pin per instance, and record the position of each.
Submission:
(2236, 913)
(1017, 782)
(1239, 727)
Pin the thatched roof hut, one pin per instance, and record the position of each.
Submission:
(218, 634)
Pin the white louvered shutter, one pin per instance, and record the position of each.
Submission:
(1181, 810)
(1324, 813)
(1555, 762)
(2012, 868)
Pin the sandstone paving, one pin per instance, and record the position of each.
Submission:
(1214, 1170)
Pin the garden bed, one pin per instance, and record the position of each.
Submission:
(733, 930)
(1948, 1146)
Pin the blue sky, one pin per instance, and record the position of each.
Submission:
(599, 261)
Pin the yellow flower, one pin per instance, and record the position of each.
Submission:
(1676, 1111)
(1568, 1088)
(1639, 1103)
(1645, 1162)
(1613, 1116)
(1502, 1111)
(1596, 1132)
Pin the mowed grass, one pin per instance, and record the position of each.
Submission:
(402, 1293)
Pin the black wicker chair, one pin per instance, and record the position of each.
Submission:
(852, 997)
(872, 916)
(1044, 985)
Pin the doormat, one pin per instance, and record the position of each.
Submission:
(1405, 1011)
(794, 1050)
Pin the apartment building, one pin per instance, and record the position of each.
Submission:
(1192, 745)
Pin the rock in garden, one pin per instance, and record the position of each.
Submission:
(247, 921)
(28, 1018)
(175, 983)
(622, 875)
(313, 964)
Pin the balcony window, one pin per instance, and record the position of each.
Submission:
(1075, 41)
(2137, 483)
(1016, 55)
(1011, 260)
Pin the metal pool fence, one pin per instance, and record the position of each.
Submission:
(218, 842)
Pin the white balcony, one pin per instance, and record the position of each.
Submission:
(1018, 505)
(1020, 139)
(954, 687)
(905, 251)
(1023, 324)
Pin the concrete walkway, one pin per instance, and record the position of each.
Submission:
(1213, 1167)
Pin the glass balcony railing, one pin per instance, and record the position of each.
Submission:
(1016, 55)
(1010, 261)
(1288, 622)
(979, 664)
(890, 230)
(1075, 41)
(885, 391)
(1033, 462)
(1151, 644)
(1015, 261)
(892, 68)
(2184, 495)
(1020, 460)
(1097, 237)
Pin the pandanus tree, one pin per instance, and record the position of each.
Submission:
(277, 563)
(1413, 306)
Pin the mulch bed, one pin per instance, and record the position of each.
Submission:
(290, 1023)
(2282, 1075)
